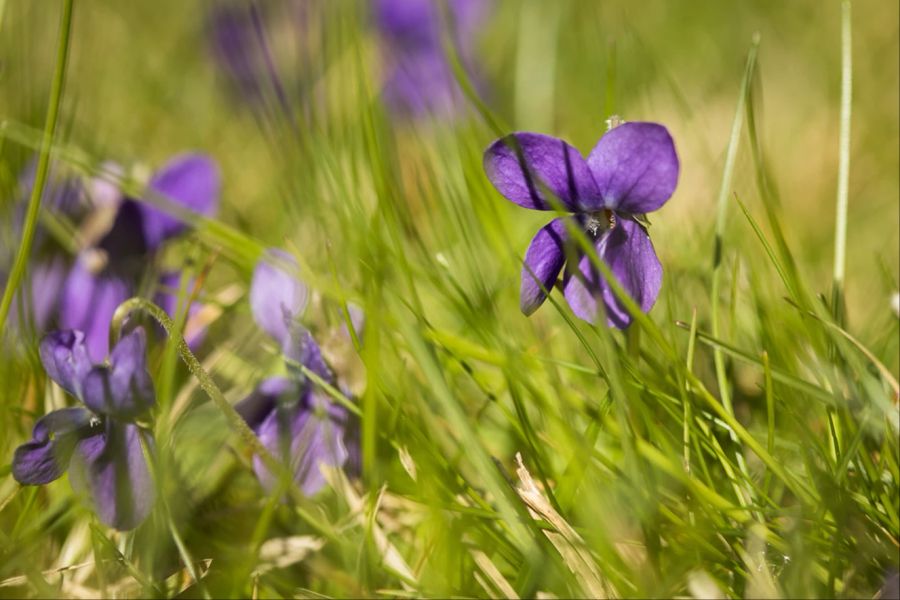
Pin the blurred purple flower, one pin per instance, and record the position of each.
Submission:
(238, 35)
(419, 79)
(631, 171)
(63, 196)
(293, 417)
(100, 444)
(107, 273)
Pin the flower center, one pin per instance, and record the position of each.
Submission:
(600, 221)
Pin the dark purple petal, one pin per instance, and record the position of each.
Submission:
(635, 167)
(255, 408)
(46, 457)
(525, 166)
(65, 359)
(304, 436)
(122, 389)
(124, 243)
(544, 259)
(190, 180)
(629, 253)
(88, 303)
(276, 296)
(110, 469)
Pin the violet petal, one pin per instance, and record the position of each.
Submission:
(544, 259)
(46, 457)
(110, 469)
(525, 166)
(276, 296)
(88, 303)
(123, 388)
(190, 180)
(629, 253)
(255, 408)
(65, 359)
(635, 167)
(304, 436)
(303, 348)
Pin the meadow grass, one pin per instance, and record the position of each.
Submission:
(740, 440)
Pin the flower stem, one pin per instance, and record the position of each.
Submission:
(40, 176)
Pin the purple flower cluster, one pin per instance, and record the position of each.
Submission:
(293, 416)
(99, 443)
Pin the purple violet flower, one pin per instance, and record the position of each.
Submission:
(100, 444)
(419, 79)
(631, 171)
(293, 417)
(108, 272)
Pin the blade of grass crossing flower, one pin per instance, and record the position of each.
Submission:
(17, 272)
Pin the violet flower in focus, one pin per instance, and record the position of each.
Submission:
(419, 78)
(631, 171)
(99, 444)
(294, 418)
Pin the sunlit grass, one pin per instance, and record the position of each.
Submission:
(746, 446)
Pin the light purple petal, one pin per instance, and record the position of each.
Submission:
(65, 359)
(524, 167)
(255, 408)
(47, 279)
(635, 167)
(110, 469)
(420, 84)
(123, 388)
(167, 299)
(46, 457)
(276, 296)
(357, 320)
(190, 180)
(304, 436)
(629, 253)
(544, 259)
(88, 303)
